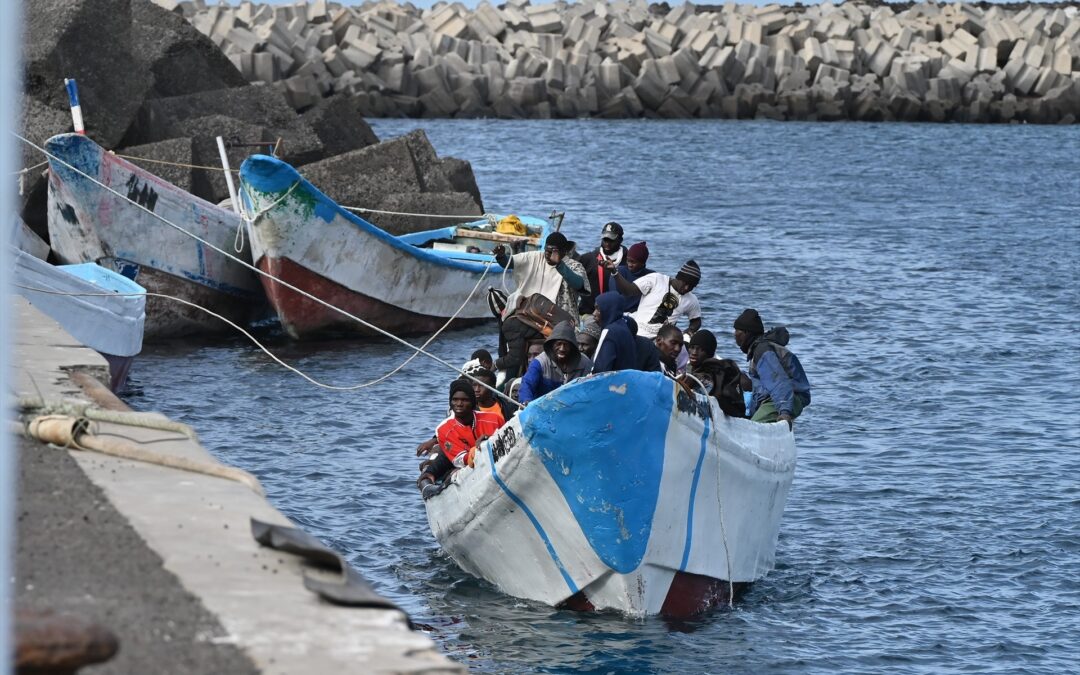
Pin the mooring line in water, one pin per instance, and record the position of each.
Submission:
(267, 275)
(258, 344)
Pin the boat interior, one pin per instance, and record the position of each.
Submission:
(476, 240)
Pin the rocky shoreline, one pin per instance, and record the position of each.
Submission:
(962, 62)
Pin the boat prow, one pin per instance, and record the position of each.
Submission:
(406, 285)
(620, 491)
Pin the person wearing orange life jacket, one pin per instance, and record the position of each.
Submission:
(462, 430)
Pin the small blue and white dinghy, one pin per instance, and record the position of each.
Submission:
(86, 301)
(620, 492)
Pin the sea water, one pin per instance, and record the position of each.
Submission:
(929, 277)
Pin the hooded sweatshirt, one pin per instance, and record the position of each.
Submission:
(544, 374)
(617, 350)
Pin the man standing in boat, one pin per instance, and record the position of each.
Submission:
(663, 299)
(610, 253)
(553, 273)
(780, 387)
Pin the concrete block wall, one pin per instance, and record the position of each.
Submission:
(625, 58)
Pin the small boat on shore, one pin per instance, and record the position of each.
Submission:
(408, 284)
(88, 223)
(620, 492)
(78, 298)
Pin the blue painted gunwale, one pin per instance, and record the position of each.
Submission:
(271, 175)
(103, 277)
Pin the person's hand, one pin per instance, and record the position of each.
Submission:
(426, 447)
(611, 267)
(471, 461)
(499, 250)
(789, 419)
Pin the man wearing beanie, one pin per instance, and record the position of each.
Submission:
(633, 269)
(780, 387)
(462, 430)
(599, 262)
(664, 299)
(721, 378)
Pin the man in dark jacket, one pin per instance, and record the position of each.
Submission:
(781, 388)
(560, 363)
(648, 356)
(721, 378)
(617, 350)
(610, 251)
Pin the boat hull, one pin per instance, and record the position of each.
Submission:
(620, 492)
(308, 240)
(100, 308)
(88, 223)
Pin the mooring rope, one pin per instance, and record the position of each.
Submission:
(267, 275)
(258, 344)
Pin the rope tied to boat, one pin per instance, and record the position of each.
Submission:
(262, 273)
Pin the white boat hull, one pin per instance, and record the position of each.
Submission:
(620, 492)
(301, 236)
(88, 223)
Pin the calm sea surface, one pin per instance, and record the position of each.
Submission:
(929, 276)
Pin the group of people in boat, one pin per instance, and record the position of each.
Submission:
(605, 310)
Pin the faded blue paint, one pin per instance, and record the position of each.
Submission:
(693, 495)
(271, 175)
(602, 441)
(103, 277)
(78, 151)
(535, 523)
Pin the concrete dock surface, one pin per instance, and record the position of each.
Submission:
(165, 559)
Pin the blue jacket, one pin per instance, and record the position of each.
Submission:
(544, 375)
(776, 373)
(617, 350)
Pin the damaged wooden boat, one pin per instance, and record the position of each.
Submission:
(88, 223)
(404, 284)
(98, 307)
(620, 492)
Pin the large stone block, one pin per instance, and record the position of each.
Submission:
(432, 203)
(90, 41)
(339, 125)
(362, 177)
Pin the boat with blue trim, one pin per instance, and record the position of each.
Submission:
(89, 223)
(620, 491)
(405, 284)
(98, 307)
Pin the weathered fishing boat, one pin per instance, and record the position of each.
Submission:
(408, 284)
(620, 491)
(88, 223)
(79, 298)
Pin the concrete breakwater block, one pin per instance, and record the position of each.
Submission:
(553, 59)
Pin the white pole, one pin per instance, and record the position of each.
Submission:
(76, 109)
(228, 176)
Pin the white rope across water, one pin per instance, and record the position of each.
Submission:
(256, 270)
(261, 346)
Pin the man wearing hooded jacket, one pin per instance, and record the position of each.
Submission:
(561, 362)
(617, 350)
(781, 388)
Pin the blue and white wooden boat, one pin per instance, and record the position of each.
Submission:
(88, 223)
(98, 307)
(620, 492)
(408, 284)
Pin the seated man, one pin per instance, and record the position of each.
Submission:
(616, 350)
(483, 358)
(721, 378)
(486, 399)
(781, 388)
(669, 342)
(560, 363)
(462, 430)
(588, 337)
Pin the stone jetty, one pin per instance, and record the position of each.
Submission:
(625, 58)
(158, 91)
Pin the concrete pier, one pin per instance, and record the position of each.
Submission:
(165, 558)
(626, 58)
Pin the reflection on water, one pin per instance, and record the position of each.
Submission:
(929, 278)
